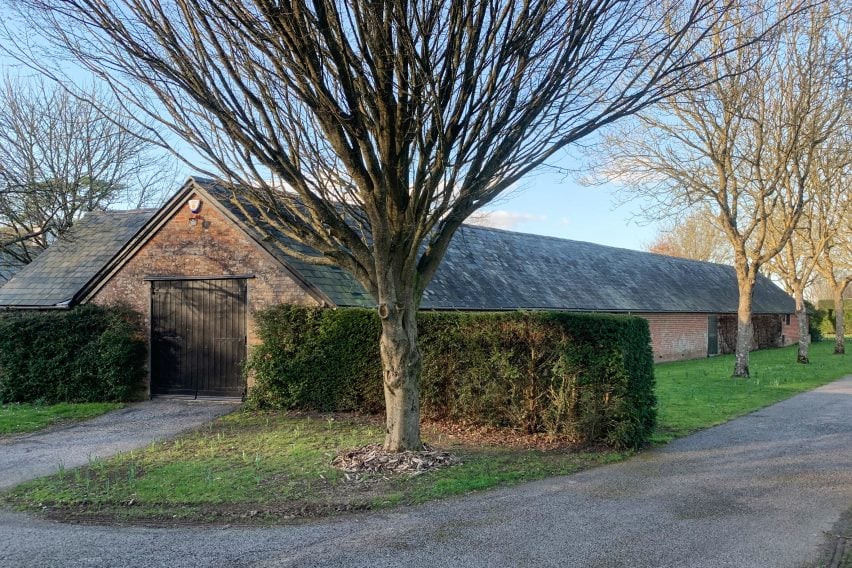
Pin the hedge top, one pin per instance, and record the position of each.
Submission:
(484, 270)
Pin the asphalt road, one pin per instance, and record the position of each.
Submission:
(759, 491)
(41, 453)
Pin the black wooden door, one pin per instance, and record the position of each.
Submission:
(198, 337)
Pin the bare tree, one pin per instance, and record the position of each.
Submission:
(61, 157)
(694, 237)
(733, 146)
(823, 230)
(834, 263)
(408, 114)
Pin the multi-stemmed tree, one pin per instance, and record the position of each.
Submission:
(390, 121)
(834, 263)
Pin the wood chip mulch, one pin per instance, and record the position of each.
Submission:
(373, 459)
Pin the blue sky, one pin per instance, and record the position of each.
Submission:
(550, 204)
(546, 203)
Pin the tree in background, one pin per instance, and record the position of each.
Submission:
(730, 147)
(822, 234)
(834, 262)
(62, 156)
(835, 266)
(693, 237)
(391, 121)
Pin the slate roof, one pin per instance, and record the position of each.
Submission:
(493, 269)
(341, 288)
(484, 269)
(58, 273)
(9, 265)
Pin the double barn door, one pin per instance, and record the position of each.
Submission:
(198, 337)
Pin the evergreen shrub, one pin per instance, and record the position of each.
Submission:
(589, 377)
(85, 354)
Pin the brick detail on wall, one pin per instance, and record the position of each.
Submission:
(677, 336)
(211, 246)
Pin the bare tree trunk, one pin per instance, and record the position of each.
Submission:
(804, 330)
(745, 331)
(839, 331)
(401, 363)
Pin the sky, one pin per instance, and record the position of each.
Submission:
(549, 204)
(546, 203)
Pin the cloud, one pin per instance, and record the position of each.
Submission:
(503, 219)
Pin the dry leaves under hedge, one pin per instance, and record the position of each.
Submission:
(374, 459)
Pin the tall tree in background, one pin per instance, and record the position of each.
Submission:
(62, 156)
(409, 115)
(834, 262)
(823, 234)
(835, 266)
(730, 147)
(693, 237)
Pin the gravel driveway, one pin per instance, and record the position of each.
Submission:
(33, 455)
(756, 492)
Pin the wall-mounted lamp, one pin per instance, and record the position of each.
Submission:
(194, 209)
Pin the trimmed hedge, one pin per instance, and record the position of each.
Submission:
(589, 377)
(87, 354)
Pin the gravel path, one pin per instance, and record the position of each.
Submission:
(759, 491)
(41, 453)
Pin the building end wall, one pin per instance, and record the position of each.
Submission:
(211, 245)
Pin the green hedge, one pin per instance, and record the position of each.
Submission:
(87, 354)
(586, 376)
(827, 323)
(816, 317)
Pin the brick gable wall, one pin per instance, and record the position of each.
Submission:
(214, 246)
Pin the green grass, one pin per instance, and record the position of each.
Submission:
(693, 395)
(20, 418)
(257, 467)
(267, 467)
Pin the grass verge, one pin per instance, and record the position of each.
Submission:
(21, 418)
(269, 467)
(250, 467)
(698, 394)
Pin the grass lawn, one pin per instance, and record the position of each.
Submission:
(20, 418)
(692, 395)
(251, 467)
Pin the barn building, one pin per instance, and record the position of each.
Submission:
(198, 272)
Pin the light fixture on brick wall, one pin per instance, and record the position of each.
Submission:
(194, 210)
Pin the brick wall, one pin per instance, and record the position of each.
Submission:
(214, 246)
(790, 329)
(677, 336)
(770, 330)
